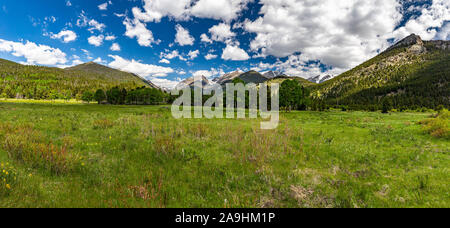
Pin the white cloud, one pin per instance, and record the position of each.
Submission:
(99, 61)
(205, 39)
(296, 65)
(103, 6)
(210, 56)
(221, 32)
(141, 69)
(234, 53)
(77, 62)
(68, 3)
(341, 34)
(183, 37)
(95, 25)
(110, 37)
(172, 55)
(155, 10)
(67, 36)
(432, 17)
(138, 29)
(34, 53)
(166, 61)
(84, 21)
(96, 40)
(164, 83)
(115, 47)
(225, 10)
(208, 73)
(444, 33)
(193, 54)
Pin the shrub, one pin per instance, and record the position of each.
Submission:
(438, 126)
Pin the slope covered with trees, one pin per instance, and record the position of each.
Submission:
(411, 74)
(37, 82)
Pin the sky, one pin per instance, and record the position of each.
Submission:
(167, 41)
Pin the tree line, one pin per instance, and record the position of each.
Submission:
(120, 96)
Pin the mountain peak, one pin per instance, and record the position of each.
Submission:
(190, 82)
(414, 41)
(410, 40)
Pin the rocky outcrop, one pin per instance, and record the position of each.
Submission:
(272, 74)
(227, 78)
(440, 44)
(191, 82)
(413, 41)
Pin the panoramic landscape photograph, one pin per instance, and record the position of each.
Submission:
(255, 105)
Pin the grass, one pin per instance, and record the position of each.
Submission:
(75, 155)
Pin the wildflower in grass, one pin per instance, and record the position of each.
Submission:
(8, 177)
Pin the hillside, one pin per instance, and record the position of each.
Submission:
(253, 77)
(282, 78)
(412, 73)
(37, 82)
(109, 73)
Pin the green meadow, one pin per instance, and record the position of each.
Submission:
(79, 155)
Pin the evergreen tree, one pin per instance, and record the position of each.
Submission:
(100, 96)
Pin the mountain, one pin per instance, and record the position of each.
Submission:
(110, 74)
(280, 79)
(227, 78)
(272, 74)
(190, 82)
(411, 73)
(38, 82)
(319, 79)
(253, 77)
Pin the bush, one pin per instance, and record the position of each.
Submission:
(438, 126)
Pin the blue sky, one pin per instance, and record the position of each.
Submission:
(167, 41)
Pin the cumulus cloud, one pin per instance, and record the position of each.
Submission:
(435, 16)
(141, 69)
(110, 37)
(166, 61)
(84, 21)
(136, 28)
(208, 73)
(205, 39)
(221, 32)
(210, 56)
(172, 55)
(234, 53)
(95, 25)
(115, 47)
(183, 37)
(444, 33)
(338, 33)
(96, 40)
(103, 6)
(165, 83)
(34, 53)
(193, 54)
(66, 36)
(226, 10)
(155, 10)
